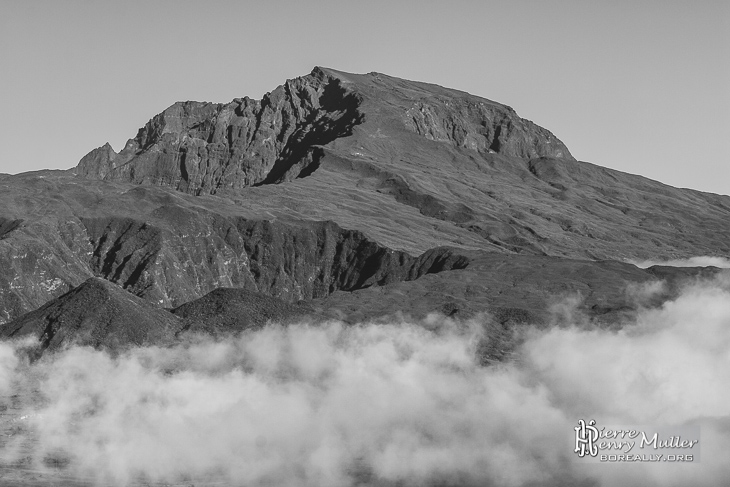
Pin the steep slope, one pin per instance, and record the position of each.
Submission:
(101, 314)
(170, 248)
(204, 147)
(96, 313)
(228, 310)
(520, 289)
(472, 168)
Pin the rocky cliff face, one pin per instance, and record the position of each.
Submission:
(205, 147)
(203, 252)
(472, 123)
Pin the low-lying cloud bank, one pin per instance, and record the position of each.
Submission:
(699, 261)
(401, 404)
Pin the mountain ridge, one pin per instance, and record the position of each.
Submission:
(361, 175)
(201, 147)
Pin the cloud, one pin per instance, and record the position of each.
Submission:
(699, 261)
(404, 403)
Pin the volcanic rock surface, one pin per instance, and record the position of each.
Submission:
(361, 195)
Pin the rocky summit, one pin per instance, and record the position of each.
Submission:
(353, 196)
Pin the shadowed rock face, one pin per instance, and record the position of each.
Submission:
(205, 147)
(365, 194)
(199, 252)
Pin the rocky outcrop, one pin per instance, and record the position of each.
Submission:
(199, 147)
(98, 163)
(484, 126)
(205, 147)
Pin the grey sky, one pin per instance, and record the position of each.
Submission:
(642, 87)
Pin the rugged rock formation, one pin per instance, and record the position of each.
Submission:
(292, 262)
(381, 147)
(204, 147)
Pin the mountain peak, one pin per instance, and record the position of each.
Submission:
(96, 313)
(201, 148)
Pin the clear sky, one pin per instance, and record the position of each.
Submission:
(639, 86)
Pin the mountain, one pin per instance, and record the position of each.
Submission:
(96, 313)
(205, 147)
(517, 289)
(360, 194)
(229, 310)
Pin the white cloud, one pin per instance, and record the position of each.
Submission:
(699, 261)
(404, 403)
